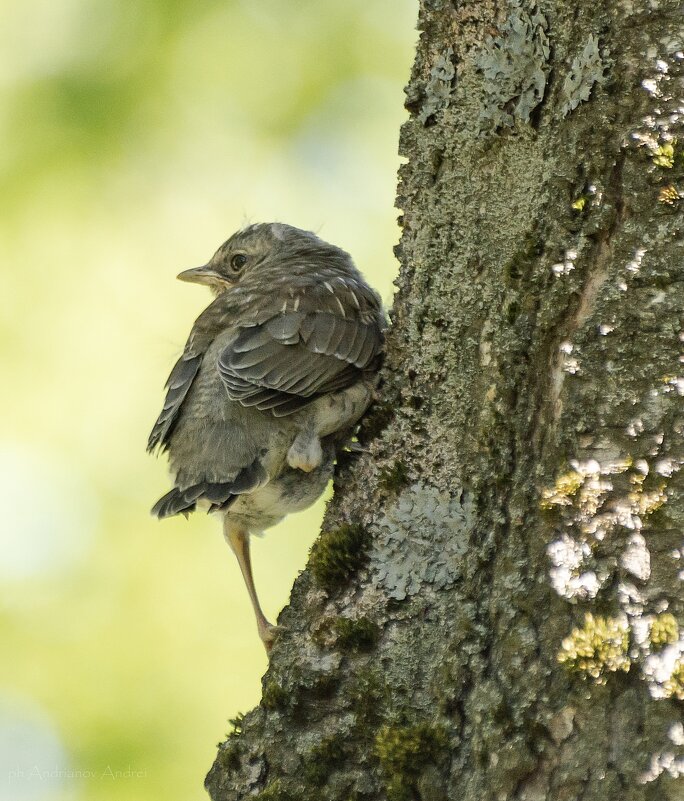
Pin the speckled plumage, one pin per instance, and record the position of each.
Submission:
(275, 374)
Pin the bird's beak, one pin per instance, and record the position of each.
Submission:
(199, 275)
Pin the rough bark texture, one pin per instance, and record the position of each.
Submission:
(494, 608)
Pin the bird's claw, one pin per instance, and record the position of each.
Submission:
(357, 448)
(268, 633)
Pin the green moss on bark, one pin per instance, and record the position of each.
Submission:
(356, 635)
(337, 554)
(274, 696)
(404, 752)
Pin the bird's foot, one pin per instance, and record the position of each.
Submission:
(349, 456)
(356, 448)
(268, 633)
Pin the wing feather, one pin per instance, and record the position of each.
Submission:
(178, 385)
(282, 360)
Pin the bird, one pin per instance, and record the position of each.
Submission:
(275, 375)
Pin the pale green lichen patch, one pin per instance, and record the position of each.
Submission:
(600, 647)
(587, 69)
(436, 526)
(515, 68)
(439, 87)
(663, 630)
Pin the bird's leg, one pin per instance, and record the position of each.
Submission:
(238, 539)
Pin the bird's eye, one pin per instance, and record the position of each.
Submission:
(237, 262)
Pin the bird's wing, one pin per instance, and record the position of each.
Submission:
(178, 383)
(207, 326)
(299, 347)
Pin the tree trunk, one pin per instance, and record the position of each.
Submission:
(491, 610)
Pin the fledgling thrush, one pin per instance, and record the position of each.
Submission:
(275, 374)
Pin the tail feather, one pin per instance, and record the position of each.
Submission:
(219, 494)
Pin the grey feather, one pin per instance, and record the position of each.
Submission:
(246, 343)
(178, 383)
(356, 347)
(319, 341)
(219, 494)
(308, 354)
(285, 328)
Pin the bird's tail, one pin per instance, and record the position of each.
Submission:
(183, 500)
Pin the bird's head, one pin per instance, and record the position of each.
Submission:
(265, 251)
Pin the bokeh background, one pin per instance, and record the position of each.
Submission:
(136, 136)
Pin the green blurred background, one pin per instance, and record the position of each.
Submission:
(136, 136)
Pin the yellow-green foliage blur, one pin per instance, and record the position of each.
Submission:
(136, 136)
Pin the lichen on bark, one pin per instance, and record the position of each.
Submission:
(533, 396)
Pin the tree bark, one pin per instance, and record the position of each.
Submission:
(494, 607)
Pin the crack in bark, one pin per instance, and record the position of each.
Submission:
(599, 267)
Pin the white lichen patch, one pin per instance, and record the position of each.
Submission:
(569, 577)
(662, 670)
(421, 540)
(676, 733)
(634, 429)
(634, 265)
(666, 467)
(636, 558)
(608, 500)
(569, 363)
(657, 133)
(515, 66)
(675, 384)
(664, 762)
(567, 265)
(587, 69)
